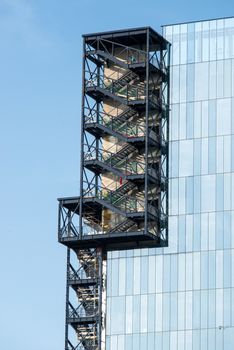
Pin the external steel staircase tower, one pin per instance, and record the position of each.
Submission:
(123, 202)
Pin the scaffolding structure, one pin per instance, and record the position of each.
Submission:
(123, 202)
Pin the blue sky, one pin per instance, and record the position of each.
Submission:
(40, 88)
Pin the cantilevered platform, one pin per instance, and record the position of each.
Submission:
(113, 241)
(129, 37)
(75, 239)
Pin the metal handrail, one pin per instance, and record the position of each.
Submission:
(129, 55)
(127, 90)
(126, 167)
(126, 128)
(82, 274)
(81, 311)
(126, 203)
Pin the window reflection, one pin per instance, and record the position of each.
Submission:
(182, 298)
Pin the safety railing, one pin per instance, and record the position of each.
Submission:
(81, 311)
(68, 230)
(127, 54)
(127, 166)
(81, 273)
(124, 165)
(124, 203)
(127, 128)
(127, 91)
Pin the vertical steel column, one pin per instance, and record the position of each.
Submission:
(97, 139)
(67, 301)
(82, 141)
(146, 131)
(59, 221)
(100, 270)
(168, 133)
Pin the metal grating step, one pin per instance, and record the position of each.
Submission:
(122, 226)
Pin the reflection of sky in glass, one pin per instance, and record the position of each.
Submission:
(181, 297)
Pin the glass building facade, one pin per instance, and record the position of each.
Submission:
(182, 297)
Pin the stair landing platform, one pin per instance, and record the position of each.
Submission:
(114, 240)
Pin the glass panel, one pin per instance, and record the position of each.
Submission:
(205, 41)
(173, 312)
(198, 42)
(212, 269)
(176, 45)
(166, 273)
(227, 153)
(121, 340)
(197, 156)
(136, 313)
(181, 308)
(189, 233)
(114, 343)
(204, 309)
(181, 340)
(129, 314)
(213, 81)
(204, 339)
(143, 341)
(182, 197)
(204, 270)
(159, 273)
(122, 276)
(189, 195)
(182, 235)
(137, 266)
(208, 193)
(196, 271)
(173, 341)
(144, 274)
(174, 129)
(181, 272)
(143, 318)
(151, 276)
(114, 280)
(227, 308)
(227, 229)
(158, 313)
(129, 276)
(136, 342)
(211, 339)
(211, 309)
(186, 158)
(117, 315)
(213, 43)
(223, 116)
(128, 342)
(189, 309)
(174, 273)
(183, 44)
(219, 308)
(151, 341)
(183, 81)
(151, 313)
(201, 85)
(191, 42)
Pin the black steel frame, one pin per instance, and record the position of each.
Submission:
(137, 88)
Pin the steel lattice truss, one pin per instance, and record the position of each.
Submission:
(123, 203)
